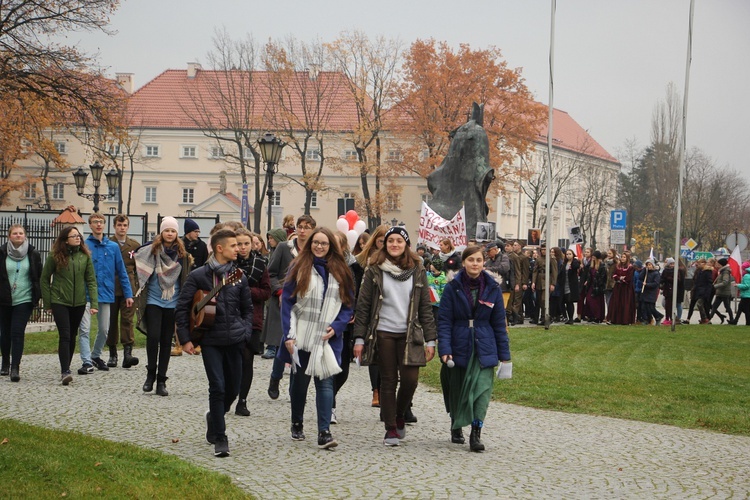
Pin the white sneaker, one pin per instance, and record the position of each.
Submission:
(333, 416)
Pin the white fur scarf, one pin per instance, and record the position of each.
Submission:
(310, 317)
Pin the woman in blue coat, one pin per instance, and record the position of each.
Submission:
(471, 339)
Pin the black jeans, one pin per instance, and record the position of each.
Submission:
(649, 311)
(727, 301)
(67, 320)
(744, 307)
(223, 366)
(248, 357)
(391, 349)
(346, 359)
(160, 327)
(13, 331)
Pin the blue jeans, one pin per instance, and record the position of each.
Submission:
(223, 366)
(84, 344)
(323, 398)
(13, 331)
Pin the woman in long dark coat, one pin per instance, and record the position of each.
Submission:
(567, 283)
(622, 304)
(595, 284)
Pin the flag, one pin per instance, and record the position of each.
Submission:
(651, 255)
(577, 250)
(735, 262)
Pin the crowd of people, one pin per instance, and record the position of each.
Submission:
(314, 306)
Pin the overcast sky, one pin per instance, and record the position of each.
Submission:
(613, 59)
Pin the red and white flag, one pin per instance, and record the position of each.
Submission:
(735, 263)
(577, 250)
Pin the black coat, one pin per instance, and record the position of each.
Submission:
(572, 275)
(198, 250)
(704, 284)
(35, 270)
(234, 310)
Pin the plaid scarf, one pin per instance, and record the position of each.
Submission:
(253, 267)
(167, 270)
(310, 317)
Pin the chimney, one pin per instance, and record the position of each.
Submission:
(192, 69)
(125, 81)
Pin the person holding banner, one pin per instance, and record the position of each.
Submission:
(394, 327)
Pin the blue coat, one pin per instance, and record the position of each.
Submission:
(107, 260)
(489, 333)
(638, 280)
(744, 286)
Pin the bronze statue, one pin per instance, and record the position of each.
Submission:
(465, 174)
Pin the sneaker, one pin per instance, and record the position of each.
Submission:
(666, 322)
(100, 364)
(409, 416)
(210, 434)
(66, 378)
(333, 416)
(241, 408)
(86, 369)
(297, 433)
(400, 428)
(270, 353)
(391, 438)
(221, 447)
(326, 441)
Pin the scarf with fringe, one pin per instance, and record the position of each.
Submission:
(167, 270)
(310, 317)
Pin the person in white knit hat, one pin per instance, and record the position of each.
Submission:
(162, 267)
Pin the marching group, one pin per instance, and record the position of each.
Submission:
(317, 304)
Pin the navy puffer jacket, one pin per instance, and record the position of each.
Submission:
(651, 287)
(234, 310)
(489, 332)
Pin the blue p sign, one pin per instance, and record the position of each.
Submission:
(618, 219)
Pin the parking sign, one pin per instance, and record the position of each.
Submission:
(618, 219)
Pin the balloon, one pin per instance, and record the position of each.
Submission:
(351, 218)
(342, 225)
(351, 237)
(360, 226)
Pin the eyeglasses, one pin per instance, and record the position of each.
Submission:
(321, 244)
(98, 221)
(74, 236)
(305, 228)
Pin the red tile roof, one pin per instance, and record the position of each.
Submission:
(568, 134)
(168, 100)
(69, 216)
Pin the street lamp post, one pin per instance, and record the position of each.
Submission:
(113, 181)
(270, 149)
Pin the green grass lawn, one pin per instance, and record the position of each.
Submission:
(697, 377)
(71, 465)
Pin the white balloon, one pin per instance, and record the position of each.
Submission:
(351, 237)
(342, 225)
(360, 226)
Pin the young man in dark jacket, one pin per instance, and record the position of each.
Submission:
(194, 244)
(223, 341)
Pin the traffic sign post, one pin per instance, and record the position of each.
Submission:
(618, 220)
(617, 236)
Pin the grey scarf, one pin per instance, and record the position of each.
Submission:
(219, 269)
(396, 272)
(18, 254)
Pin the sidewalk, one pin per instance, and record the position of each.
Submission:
(530, 453)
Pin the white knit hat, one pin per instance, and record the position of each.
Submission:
(169, 223)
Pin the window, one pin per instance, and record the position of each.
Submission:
(247, 153)
(427, 197)
(313, 154)
(351, 155)
(113, 150)
(151, 194)
(61, 147)
(392, 202)
(189, 152)
(216, 152)
(58, 191)
(29, 191)
(394, 155)
(349, 195)
(152, 151)
(276, 199)
(314, 199)
(188, 195)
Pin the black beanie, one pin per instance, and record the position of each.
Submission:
(399, 230)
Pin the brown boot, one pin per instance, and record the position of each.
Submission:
(176, 350)
(376, 398)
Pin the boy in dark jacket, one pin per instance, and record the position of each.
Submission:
(649, 294)
(222, 342)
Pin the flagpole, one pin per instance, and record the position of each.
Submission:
(549, 164)
(683, 147)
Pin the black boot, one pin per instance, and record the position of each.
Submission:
(128, 359)
(457, 436)
(273, 389)
(148, 386)
(4, 369)
(112, 361)
(161, 386)
(241, 408)
(475, 443)
(14, 375)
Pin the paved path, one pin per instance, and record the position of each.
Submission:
(531, 453)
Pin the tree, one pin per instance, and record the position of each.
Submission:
(437, 91)
(370, 67)
(591, 201)
(224, 103)
(304, 100)
(32, 62)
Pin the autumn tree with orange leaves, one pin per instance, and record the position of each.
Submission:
(435, 97)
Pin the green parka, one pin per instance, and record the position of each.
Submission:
(67, 286)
